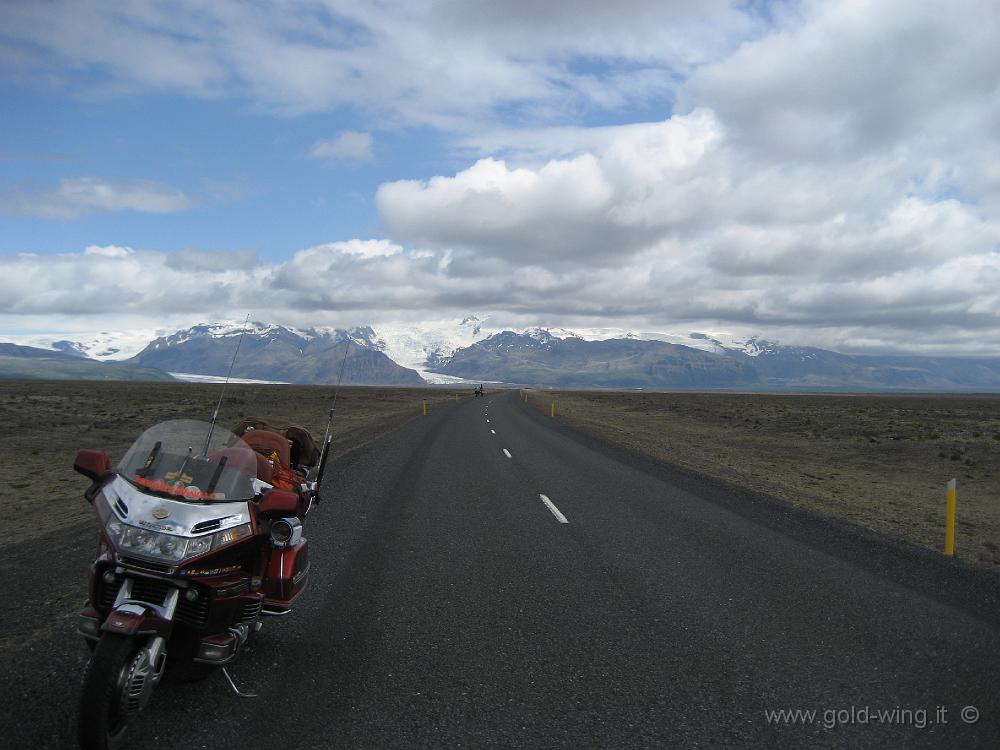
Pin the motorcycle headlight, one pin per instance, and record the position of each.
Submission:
(169, 547)
(115, 529)
(199, 545)
(146, 543)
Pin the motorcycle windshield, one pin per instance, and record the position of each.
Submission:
(179, 459)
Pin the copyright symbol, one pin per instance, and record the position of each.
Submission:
(970, 714)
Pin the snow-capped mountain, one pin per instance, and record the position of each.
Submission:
(430, 350)
(100, 345)
(538, 357)
(277, 353)
(416, 346)
(422, 347)
(364, 336)
(474, 349)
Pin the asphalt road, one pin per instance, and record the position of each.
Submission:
(450, 605)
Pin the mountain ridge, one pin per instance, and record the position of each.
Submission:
(536, 357)
(471, 349)
(18, 362)
(277, 353)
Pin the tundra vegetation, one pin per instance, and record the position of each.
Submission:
(880, 461)
(45, 424)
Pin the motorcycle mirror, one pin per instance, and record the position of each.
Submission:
(92, 464)
(279, 502)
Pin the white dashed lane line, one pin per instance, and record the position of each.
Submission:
(493, 432)
(555, 511)
(507, 453)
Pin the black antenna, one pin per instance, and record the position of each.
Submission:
(208, 440)
(328, 437)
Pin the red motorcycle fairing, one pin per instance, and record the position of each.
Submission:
(187, 562)
(287, 574)
(134, 619)
(218, 601)
(97, 485)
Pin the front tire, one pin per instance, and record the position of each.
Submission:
(102, 722)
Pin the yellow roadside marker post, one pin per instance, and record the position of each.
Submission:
(949, 524)
(553, 412)
(425, 408)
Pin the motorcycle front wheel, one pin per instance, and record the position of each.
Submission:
(103, 719)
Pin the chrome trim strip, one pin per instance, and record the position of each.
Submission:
(125, 603)
(274, 612)
(124, 593)
(182, 516)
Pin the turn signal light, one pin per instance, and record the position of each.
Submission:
(89, 627)
(233, 535)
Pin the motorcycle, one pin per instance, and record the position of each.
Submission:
(200, 538)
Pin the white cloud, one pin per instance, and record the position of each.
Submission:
(442, 63)
(109, 280)
(831, 180)
(359, 248)
(349, 146)
(108, 251)
(194, 261)
(850, 78)
(518, 213)
(78, 196)
(923, 277)
(646, 182)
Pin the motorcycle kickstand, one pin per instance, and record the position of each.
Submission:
(232, 685)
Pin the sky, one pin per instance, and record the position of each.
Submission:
(817, 173)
